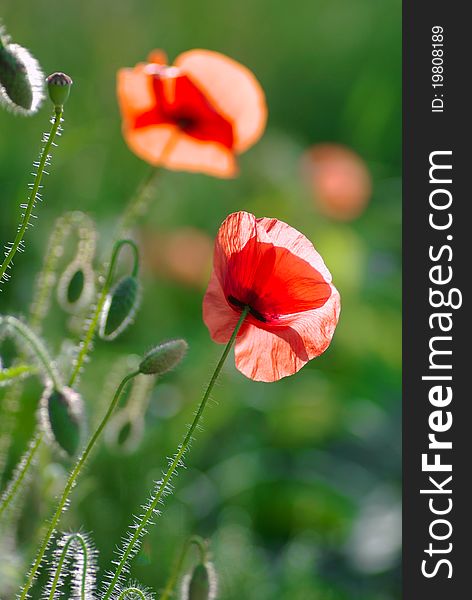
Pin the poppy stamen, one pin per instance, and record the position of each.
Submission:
(185, 123)
(242, 305)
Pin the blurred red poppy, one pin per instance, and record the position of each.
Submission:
(196, 115)
(293, 307)
(183, 255)
(339, 180)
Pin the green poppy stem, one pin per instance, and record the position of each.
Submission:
(132, 544)
(200, 544)
(74, 538)
(138, 203)
(69, 487)
(9, 496)
(35, 346)
(86, 342)
(132, 592)
(17, 243)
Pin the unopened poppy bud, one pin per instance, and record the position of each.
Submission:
(20, 78)
(163, 358)
(76, 287)
(59, 88)
(119, 308)
(201, 584)
(62, 416)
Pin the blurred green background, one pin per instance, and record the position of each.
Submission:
(297, 483)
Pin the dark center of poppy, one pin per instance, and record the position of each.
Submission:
(242, 305)
(186, 122)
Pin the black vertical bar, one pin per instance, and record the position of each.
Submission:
(425, 247)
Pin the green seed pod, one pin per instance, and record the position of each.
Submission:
(62, 417)
(119, 308)
(59, 88)
(163, 358)
(76, 287)
(21, 78)
(201, 584)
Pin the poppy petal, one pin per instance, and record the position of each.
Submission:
(264, 355)
(285, 284)
(237, 253)
(157, 57)
(285, 236)
(152, 143)
(257, 268)
(220, 319)
(233, 90)
(135, 92)
(235, 232)
(190, 154)
(316, 327)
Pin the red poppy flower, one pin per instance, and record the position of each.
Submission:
(293, 307)
(196, 115)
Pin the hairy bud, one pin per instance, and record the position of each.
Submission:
(76, 287)
(119, 308)
(62, 417)
(21, 78)
(163, 358)
(201, 584)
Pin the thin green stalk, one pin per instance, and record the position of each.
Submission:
(138, 203)
(11, 375)
(69, 486)
(20, 474)
(86, 343)
(35, 346)
(131, 544)
(57, 575)
(171, 582)
(9, 410)
(47, 278)
(132, 590)
(56, 122)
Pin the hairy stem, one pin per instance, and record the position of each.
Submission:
(17, 243)
(132, 590)
(86, 342)
(200, 544)
(138, 203)
(75, 538)
(18, 371)
(47, 278)
(132, 544)
(9, 411)
(20, 474)
(69, 486)
(35, 346)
